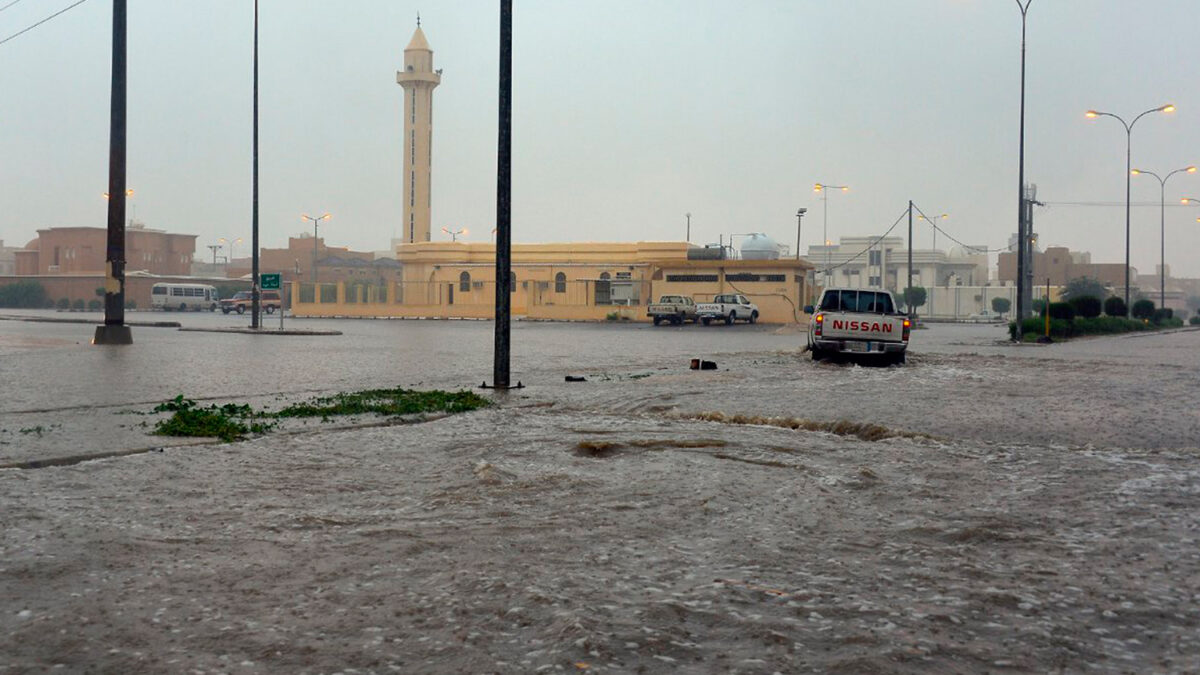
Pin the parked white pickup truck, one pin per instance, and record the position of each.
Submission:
(729, 307)
(858, 322)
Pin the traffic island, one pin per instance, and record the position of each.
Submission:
(264, 331)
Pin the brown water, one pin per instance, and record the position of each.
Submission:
(1035, 509)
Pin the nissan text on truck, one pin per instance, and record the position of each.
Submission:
(860, 323)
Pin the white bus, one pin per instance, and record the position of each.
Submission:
(183, 297)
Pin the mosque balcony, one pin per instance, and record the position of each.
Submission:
(404, 77)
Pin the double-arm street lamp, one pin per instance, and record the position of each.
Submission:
(454, 233)
(1092, 114)
(1162, 226)
(316, 247)
(232, 243)
(824, 189)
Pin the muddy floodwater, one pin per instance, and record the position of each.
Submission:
(986, 508)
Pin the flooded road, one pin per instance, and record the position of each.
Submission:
(986, 508)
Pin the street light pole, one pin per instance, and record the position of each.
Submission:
(688, 236)
(824, 190)
(1022, 226)
(1092, 114)
(1162, 227)
(799, 216)
(944, 216)
(454, 233)
(315, 220)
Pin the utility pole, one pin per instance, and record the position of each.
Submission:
(688, 236)
(114, 331)
(500, 359)
(254, 294)
(907, 291)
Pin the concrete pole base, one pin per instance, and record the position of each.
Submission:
(113, 335)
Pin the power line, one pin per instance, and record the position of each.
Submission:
(9, 5)
(26, 30)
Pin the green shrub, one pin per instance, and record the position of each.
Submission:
(1039, 306)
(1143, 309)
(95, 305)
(131, 304)
(24, 293)
(77, 305)
(1115, 306)
(1001, 305)
(64, 303)
(49, 303)
(1086, 306)
(1195, 320)
(1062, 310)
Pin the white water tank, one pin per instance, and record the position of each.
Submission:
(760, 247)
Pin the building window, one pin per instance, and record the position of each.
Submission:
(464, 282)
(560, 283)
(875, 281)
(874, 258)
(685, 278)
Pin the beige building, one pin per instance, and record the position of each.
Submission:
(566, 282)
(419, 80)
(81, 250)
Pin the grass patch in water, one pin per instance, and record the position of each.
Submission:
(386, 402)
(232, 421)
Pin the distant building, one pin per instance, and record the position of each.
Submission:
(8, 260)
(81, 250)
(862, 262)
(1060, 265)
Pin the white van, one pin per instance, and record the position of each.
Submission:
(183, 297)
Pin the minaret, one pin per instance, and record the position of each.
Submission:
(418, 79)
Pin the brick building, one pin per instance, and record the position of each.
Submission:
(1060, 265)
(81, 250)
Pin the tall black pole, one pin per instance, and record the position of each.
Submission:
(1022, 225)
(1128, 169)
(500, 375)
(908, 291)
(114, 330)
(254, 295)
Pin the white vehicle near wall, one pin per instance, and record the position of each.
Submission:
(183, 297)
(728, 307)
(858, 323)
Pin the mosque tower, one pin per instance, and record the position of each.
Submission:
(418, 79)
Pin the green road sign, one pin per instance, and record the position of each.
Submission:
(269, 282)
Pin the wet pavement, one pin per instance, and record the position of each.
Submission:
(1015, 508)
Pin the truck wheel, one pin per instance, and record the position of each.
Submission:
(270, 309)
(677, 320)
(657, 320)
(224, 310)
(753, 317)
(706, 321)
(241, 309)
(818, 354)
(898, 359)
(730, 318)
(182, 307)
(212, 307)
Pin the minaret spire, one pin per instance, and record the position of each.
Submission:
(419, 80)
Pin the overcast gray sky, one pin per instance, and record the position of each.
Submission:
(627, 115)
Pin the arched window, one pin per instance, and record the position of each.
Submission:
(464, 282)
(560, 283)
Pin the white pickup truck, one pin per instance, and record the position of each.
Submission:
(858, 322)
(728, 307)
(673, 309)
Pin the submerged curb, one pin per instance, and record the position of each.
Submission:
(264, 331)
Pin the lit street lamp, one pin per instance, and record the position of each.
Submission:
(824, 190)
(315, 221)
(214, 248)
(934, 225)
(1162, 226)
(1092, 114)
(232, 243)
(454, 233)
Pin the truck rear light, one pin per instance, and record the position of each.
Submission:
(907, 328)
(820, 319)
